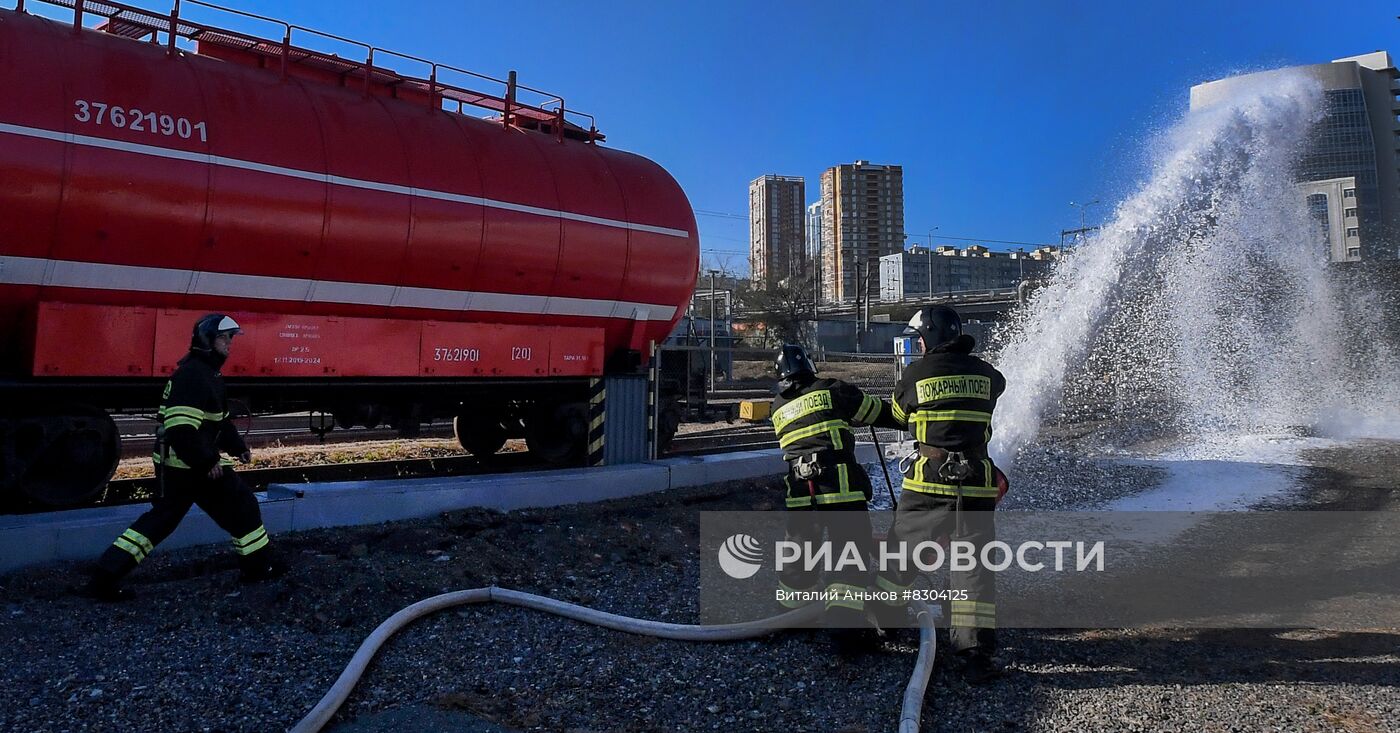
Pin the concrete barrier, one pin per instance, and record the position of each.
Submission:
(30, 539)
(347, 503)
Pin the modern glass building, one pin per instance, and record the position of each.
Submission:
(1350, 173)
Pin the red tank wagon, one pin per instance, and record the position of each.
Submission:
(392, 257)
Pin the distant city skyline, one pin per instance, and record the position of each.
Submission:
(737, 260)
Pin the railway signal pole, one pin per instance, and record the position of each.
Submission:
(1084, 228)
(712, 329)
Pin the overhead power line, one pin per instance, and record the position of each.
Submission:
(721, 214)
(736, 240)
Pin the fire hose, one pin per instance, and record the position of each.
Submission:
(910, 713)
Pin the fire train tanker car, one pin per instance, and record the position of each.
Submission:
(397, 247)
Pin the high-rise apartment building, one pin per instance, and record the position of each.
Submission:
(862, 220)
(777, 228)
(1350, 172)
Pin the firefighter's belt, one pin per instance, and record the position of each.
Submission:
(934, 453)
(810, 466)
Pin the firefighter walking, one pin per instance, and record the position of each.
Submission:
(946, 399)
(813, 419)
(194, 428)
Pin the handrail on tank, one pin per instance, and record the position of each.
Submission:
(286, 27)
(509, 101)
(508, 104)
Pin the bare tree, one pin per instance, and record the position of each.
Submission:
(729, 265)
(782, 307)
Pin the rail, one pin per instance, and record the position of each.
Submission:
(547, 114)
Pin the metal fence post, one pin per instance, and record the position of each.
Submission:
(712, 330)
(654, 402)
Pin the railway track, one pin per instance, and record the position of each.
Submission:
(140, 490)
(284, 430)
(740, 437)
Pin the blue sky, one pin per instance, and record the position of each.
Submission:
(1000, 112)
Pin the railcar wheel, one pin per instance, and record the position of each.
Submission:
(62, 459)
(558, 434)
(481, 436)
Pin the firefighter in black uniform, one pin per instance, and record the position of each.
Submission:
(813, 419)
(946, 398)
(194, 429)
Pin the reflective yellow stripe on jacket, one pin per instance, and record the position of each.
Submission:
(192, 416)
(176, 416)
(869, 410)
(835, 426)
(949, 415)
(897, 410)
(922, 418)
(170, 461)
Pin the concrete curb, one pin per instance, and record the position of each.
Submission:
(31, 539)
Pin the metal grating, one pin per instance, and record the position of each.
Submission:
(626, 425)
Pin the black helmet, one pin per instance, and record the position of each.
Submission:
(793, 362)
(937, 325)
(209, 327)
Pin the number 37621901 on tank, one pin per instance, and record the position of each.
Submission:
(136, 120)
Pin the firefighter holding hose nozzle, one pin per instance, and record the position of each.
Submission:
(951, 487)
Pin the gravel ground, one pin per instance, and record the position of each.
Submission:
(198, 652)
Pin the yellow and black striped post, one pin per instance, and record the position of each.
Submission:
(653, 379)
(597, 419)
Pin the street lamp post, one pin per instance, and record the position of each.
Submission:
(928, 287)
(859, 265)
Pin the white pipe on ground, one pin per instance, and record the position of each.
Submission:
(910, 713)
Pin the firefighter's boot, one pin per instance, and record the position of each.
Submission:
(104, 587)
(263, 565)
